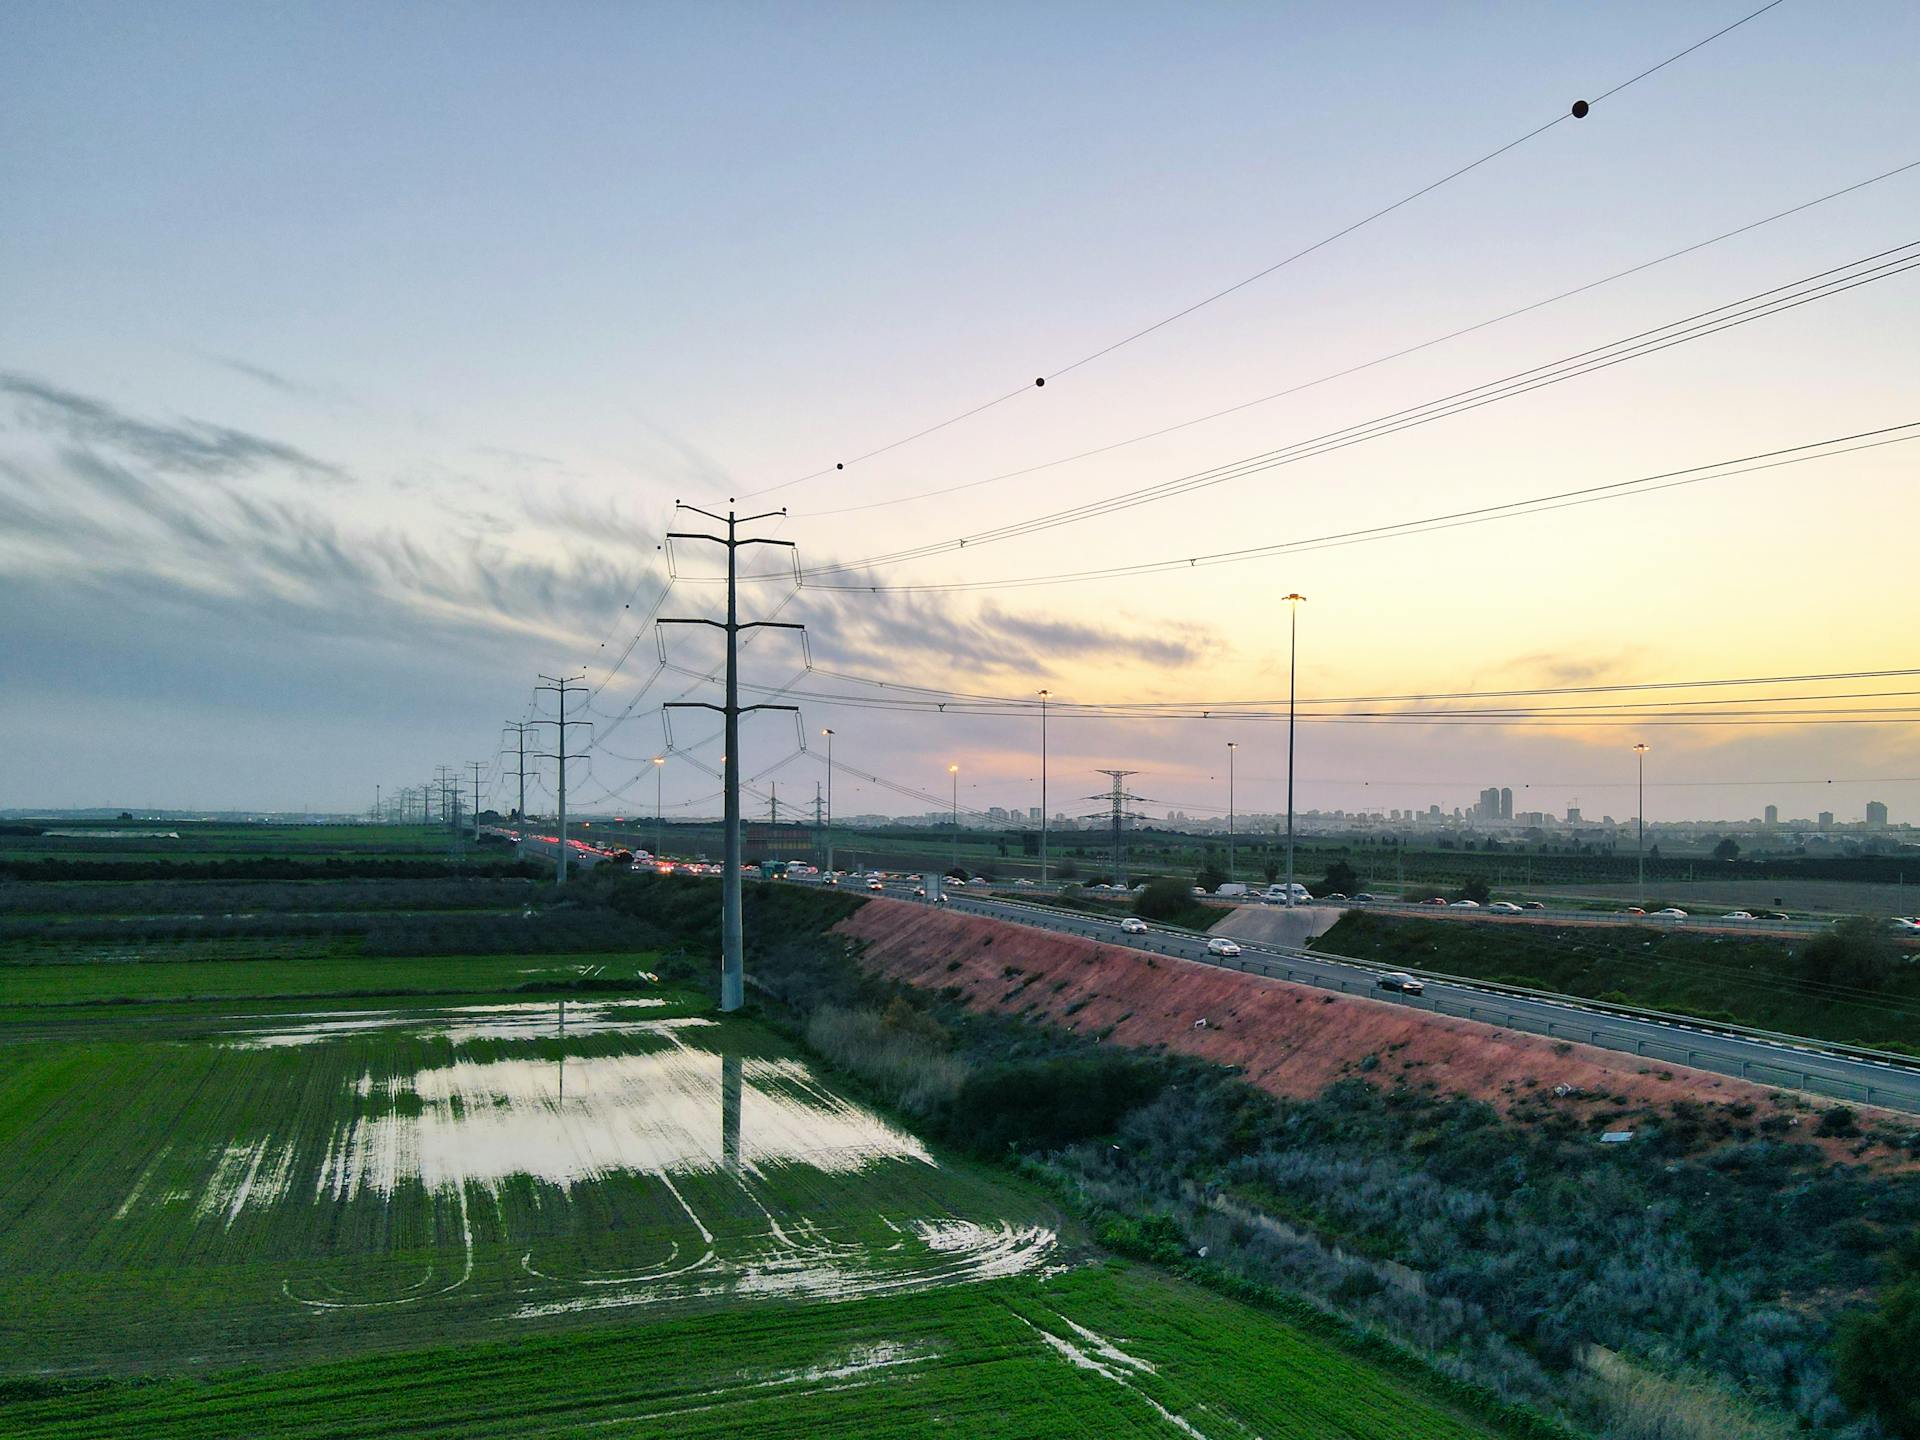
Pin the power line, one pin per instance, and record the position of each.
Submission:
(1764, 304)
(1452, 520)
(1365, 364)
(1579, 110)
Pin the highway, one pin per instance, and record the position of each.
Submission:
(1838, 1072)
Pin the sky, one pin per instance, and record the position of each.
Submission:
(353, 358)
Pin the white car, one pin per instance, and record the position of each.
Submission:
(875, 885)
(1465, 905)
(1023, 881)
(1220, 945)
(1134, 925)
(978, 880)
(1738, 915)
(1672, 912)
(1907, 924)
(1504, 907)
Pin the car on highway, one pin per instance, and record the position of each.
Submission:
(978, 880)
(1633, 910)
(1504, 907)
(1403, 984)
(1365, 898)
(1220, 945)
(1134, 925)
(1672, 912)
(1333, 898)
(1774, 915)
(1738, 915)
(876, 885)
(1023, 881)
(1436, 900)
(920, 891)
(1907, 924)
(1533, 905)
(1464, 905)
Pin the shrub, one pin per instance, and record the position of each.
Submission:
(1860, 951)
(1874, 1360)
(1837, 1120)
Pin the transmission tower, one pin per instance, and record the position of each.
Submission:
(476, 766)
(561, 688)
(732, 962)
(1120, 799)
(520, 730)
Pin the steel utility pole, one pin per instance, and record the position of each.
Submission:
(732, 953)
(1231, 747)
(1640, 751)
(954, 770)
(1045, 695)
(561, 688)
(829, 734)
(449, 782)
(1293, 649)
(1119, 797)
(520, 729)
(476, 766)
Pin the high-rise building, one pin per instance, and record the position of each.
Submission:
(1773, 815)
(1035, 813)
(1506, 803)
(1876, 815)
(1489, 806)
(1826, 820)
(1573, 815)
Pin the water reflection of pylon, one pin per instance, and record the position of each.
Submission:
(563, 1053)
(730, 1113)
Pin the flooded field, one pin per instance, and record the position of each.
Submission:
(502, 1165)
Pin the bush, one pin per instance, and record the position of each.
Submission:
(1874, 1360)
(1340, 879)
(1050, 1103)
(1838, 1120)
(1860, 952)
(1168, 901)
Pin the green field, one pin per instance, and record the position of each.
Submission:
(222, 1219)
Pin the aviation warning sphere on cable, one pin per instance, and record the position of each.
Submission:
(1580, 108)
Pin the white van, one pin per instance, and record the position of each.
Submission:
(1276, 894)
(1231, 889)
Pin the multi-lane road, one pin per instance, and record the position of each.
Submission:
(1840, 1072)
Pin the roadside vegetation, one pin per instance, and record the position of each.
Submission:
(1852, 984)
(1686, 1285)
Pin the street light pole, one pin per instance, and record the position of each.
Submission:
(829, 734)
(1293, 648)
(659, 774)
(1045, 695)
(1231, 747)
(954, 770)
(1640, 751)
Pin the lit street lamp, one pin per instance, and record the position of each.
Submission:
(1640, 751)
(1231, 747)
(1045, 695)
(829, 735)
(659, 772)
(1293, 643)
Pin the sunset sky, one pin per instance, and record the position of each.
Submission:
(354, 356)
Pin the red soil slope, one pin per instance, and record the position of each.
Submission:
(1292, 1040)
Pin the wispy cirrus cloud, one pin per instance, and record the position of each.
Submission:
(193, 447)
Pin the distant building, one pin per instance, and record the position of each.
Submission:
(1876, 815)
(1826, 820)
(1773, 816)
(1035, 814)
(1573, 815)
(1489, 806)
(1506, 803)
